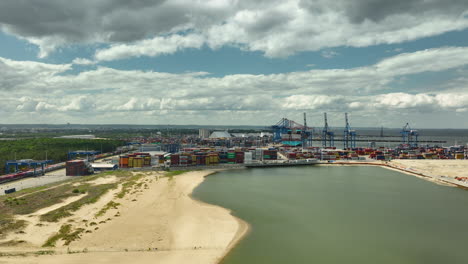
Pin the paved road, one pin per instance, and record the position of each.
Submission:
(32, 182)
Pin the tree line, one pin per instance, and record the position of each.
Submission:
(55, 149)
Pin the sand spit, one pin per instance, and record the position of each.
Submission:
(442, 172)
(449, 168)
(438, 171)
(156, 223)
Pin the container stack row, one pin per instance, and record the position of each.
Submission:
(135, 160)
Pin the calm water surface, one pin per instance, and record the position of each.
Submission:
(342, 215)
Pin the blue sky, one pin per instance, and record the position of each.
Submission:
(235, 62)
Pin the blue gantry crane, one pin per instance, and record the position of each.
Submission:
(409, 136)
(27, 162)
(290, 128)
(349, 139)
(280, 128)
(327, 135)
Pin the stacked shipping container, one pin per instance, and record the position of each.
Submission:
(135, 160)
(78, 168)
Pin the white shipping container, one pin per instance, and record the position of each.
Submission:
(248, 157)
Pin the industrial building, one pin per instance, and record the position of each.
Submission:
(220, 134)
(203, 133)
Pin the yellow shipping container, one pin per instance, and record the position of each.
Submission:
(459, 156)
(130, 162)
(138, 162)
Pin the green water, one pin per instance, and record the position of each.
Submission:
(341, 215)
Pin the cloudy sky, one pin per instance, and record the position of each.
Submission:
(235, 62)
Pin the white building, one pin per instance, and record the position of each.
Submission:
(203, 133)
(220, 134)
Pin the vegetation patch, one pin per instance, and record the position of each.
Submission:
(117, 173)
(12, 201)
(93, 194)
(171, 174)
(44, 252)
(32, 202)
(8, 224)
(14, 254)
(128, 185)
(66, 233)
(12, 243)
(109, 205)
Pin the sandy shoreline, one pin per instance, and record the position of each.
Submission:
(160, 223)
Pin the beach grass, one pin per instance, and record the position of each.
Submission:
(109, 205)
(66, 233)
(171, 174)
(9, 224)
(30, 200)
(93, 193)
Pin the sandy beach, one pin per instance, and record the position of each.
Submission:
(156, 223)
(438, 171)
(449, 168)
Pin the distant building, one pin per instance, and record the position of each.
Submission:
(203, 133)
(104, 166)
(79, 136)
(220, 134)
(266, 134)
(149, 147)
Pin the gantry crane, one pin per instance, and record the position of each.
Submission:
(306, 135)
(290, 127)
(327, 135)
(280, 128)
(409, 136)
(349, 139)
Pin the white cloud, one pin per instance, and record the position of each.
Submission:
(40, 92)
(404, 100)
(152, 47)
(328, 54)
(430, 60)
(83, 61)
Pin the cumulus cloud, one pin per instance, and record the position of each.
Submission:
(266, 26)
(152, 47)
(43, 92)
(20, 75)
(404, 100)
(83, 61)
(430, 60)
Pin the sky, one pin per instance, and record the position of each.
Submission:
(234, 62)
